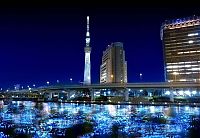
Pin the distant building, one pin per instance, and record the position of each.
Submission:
(181, 43)
(114, 67)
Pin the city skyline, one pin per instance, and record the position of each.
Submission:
(37, 44)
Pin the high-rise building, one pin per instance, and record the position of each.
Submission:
(87, 69)
(114, 67)
(181, 44)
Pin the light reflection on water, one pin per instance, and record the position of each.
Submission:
(51, 119)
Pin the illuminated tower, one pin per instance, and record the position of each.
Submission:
(87, 74)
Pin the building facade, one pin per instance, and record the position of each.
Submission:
(181, 46)
(114, 67)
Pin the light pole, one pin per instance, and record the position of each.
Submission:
(70, 80)
(140, 76)
(111, 78)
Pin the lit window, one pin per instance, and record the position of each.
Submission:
(193, 34)
(182, 80)
(187, 65)
(175, 73)
(190, 42)
(180, 53)
(194, 69)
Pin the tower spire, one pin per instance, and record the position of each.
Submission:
(88, 32)
(88, 25)
(87, 69)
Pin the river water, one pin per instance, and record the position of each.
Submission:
(47, 120)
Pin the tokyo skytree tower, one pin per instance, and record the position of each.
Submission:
(87, 69)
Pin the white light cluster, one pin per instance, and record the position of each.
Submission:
(182, 92)
(72, 96)
(183, 66)
(186, 52)
(194, 69)
(87, 34)
(188, 92)
(188, 62)
(194, 92)
(188, 72)
(193, 34)
(182, 80)
(167, 93)
(175, 73)
(191, 41)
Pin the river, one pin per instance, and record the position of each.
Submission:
(49, 120)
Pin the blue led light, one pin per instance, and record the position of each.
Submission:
(52, 119)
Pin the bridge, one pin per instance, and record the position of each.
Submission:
(128, 85)
(123, 89)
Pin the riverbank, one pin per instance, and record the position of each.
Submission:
(134, 103)
(109, 102)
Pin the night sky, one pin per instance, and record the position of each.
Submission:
(40, 44)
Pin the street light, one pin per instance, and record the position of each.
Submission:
(140, 76)
(47, 82)
(70, 80)
(112, 77)
(33, 85)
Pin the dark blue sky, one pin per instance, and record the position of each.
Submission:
(40, 44)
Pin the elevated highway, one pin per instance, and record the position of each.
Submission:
(127, 85)
(116, 89)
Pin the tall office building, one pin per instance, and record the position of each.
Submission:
(114, 67)
(181, 43)
(87, 69)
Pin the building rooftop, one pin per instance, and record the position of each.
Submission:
(181, 20)
(179, 23)
(117, 44)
